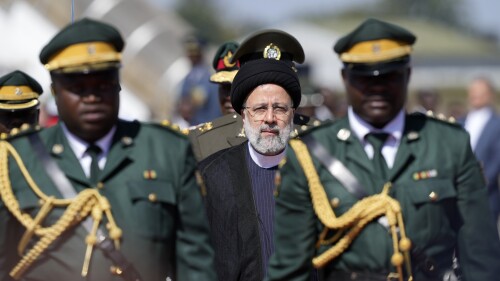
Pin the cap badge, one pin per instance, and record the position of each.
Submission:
(91, 49)
(18, 92)
(227, 59)
(376, 48)
(272, 52)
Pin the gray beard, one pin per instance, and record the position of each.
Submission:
(267, 145)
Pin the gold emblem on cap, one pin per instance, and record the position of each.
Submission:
(18, 92)
(57, 148)
(343, 134)
(227, 60)
(272, 51)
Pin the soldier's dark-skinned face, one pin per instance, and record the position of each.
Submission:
(225, 98)
(88, 103)
(377, 99)
(14, 119)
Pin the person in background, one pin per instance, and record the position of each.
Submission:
(226, 131)
(483, 124)
(198, 100)
(382, 194)
(19, 104)
(426, 100)
(95, 197)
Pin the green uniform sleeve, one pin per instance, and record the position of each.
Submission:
(295, 226)
(478, 243)
(195, 256)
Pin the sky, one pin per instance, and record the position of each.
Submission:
(481, 14)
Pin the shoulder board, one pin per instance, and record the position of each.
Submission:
(303, 129)
(214, 124)
(24, 130)
(172, 127)
(441, 118)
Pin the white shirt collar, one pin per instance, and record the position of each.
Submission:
(265, 161)
(79, 146)
(361, 128)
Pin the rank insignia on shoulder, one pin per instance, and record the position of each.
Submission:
(205, 127)
(425, 174)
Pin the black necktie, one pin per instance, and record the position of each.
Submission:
(377, 140)
(94, 151)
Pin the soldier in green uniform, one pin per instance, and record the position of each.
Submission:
(227, 131)
(95, 197)
(381, 194)
(19, 102)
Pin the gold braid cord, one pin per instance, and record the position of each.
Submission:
(87, 202)
(355, 219)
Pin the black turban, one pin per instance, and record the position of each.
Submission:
(260, 72)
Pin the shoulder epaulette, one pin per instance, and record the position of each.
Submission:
(24, 129)
(437, 117)
(214, 124)
(303, 130)
(172, 127)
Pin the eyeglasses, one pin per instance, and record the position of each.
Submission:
(259, 112)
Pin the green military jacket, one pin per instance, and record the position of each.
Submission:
(438, 183)
(149, 182)
(210, 137)
(227, 131)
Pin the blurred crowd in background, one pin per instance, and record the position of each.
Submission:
(165, 77)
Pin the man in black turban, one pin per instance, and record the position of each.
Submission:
(240, 181)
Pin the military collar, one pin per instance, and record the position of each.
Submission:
(361, 128)
(265, 161)
(79, 146)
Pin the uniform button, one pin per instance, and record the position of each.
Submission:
(303, 127)
(433, 196)
(335, 202)
(100, 185)
(152, 197)
(115, 270)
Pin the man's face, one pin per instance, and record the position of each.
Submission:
(480, 94)
(14, 119)
(225, 98)
(88, 103)
(377, 99)
(268, 118)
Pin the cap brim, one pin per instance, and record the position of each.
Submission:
(87, 68)
(223, 76)
(376, 69)
(19, 106)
